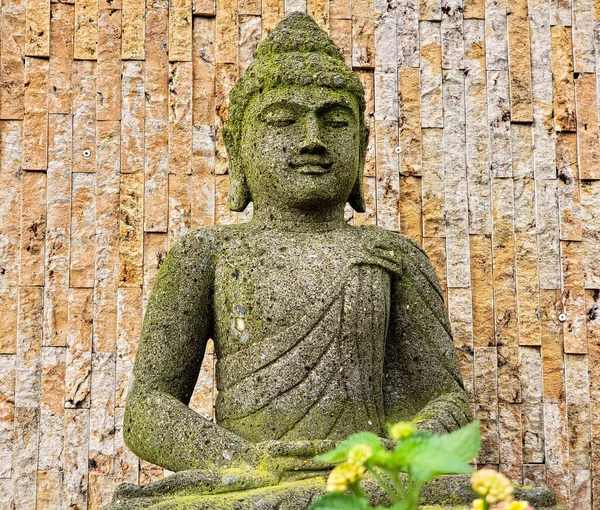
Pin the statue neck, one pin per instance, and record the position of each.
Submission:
(298, 220)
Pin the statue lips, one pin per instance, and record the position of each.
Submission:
(311, 164)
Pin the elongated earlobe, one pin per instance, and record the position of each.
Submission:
(357, 196)
(239, 194)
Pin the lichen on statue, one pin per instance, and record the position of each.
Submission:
(320, 329)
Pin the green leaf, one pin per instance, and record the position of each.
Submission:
(340, 452)
(340, 501)
(463, 443)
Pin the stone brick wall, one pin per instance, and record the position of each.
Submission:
(484, 147)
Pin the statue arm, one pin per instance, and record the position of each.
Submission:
(422, 377)
(159, 426)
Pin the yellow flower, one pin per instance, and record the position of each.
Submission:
(343, 476)
(359, 454)
(402, 430)
(478, 504)
(518, 505)
(493, 486)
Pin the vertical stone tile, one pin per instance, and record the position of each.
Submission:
(560, 12)
(367, 79)
(431, 75)
(363, 34)
(49, 489)
(407, 33)
(250, 30)
(203, 68)
(474, 9)
(155, 251)
(511, 451)
(86, 29)
(156, 176)
(29, 343)
(476, 130)
(126, 464)
(519, 51)
(578, 411)
(580, 488)
(368, 217)
(531, 367)
(435, 247)
(79, 350)
(134, 27)
(7, 406)
(588, 137)
(84, 116)
(180, 31)
(25, 453)
(131, 234)
(452, 34)
(33, 228)
(482, 288)
(499, 123)
(319, 11)
(207, 7)
(433, 183)
(521, 138)
(562, 76)
(590, 246)
(12, 60)
(108, 84)
(60, 72)
(386, 61)
(568, 187)
(461, 318)
(557, 460)
(528, 291)
(534, 475)
(77, 432)
(583, 36)
(156, 65)
(548, 233)
(226, 32)
(592, 307)
(58, 226)
(10, 219)
(272, 13)
(430, 10)
(83, 229)
(388, 185)
(149, 473)
(340, 9)
(225, 78)
(203, 396)
(411, 217)
(523, 184)
(552, 346)
(573, 298)
(409, 121)
(486, 406)
(223, 216)
(35, 121)
(203, 181)
(129, 321)
(132, 117)
(496, 35)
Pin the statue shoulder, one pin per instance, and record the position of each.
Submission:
(197, 249)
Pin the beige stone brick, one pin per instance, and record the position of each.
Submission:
(12, 62)
(203, 64)
(367, 79)
(461, 318)
(180, 206)
(409, 121)
(578, 411)
(386, 62)
(588, 136)
(126, 464)
(340, 9)
(499, 124)
(580, 488)
(58, 227)
(25, 457)
(562, 76)
(548, 234)
(430, 10)
(33, 228)
(157, 65)
(60, 85)
(79, 353)
(452, 34)
(7, 405)
(129, 324)
(86, 29)
(83, 228)
(511, 450)
(131, 234)
(584, 60)
(407, 33)
(435, 247)
(225, 77)
(573, 298)
(519, 51)
(534, 475)
(568, 187)
(363, 34)
(132, 117)
(552, 346)
(49, 490)
(431, 75)
(388, 182)
(319, 11)
(101, 488)
(368, 217)
(35, 121)
(156, 176)
(250, 30)
(226, 32)
(109, 4)
(180, 32)
(75, 485)
(560, 12)
(486, 407)
(592, 307)
(203, 182)
(180, 118)
(108, 83)
(341, 35)
(496, 35)
(37, 22)
(474, 9)
(155, 251)
(272, 14)
(223, 216)
(528, 292)
(590, 206)
(525, 213)
(532, 427)
(411, 217)
(134, 27)
(84, 116)
(433, 183)
(207, 7)
(482, 289)
(555, 428)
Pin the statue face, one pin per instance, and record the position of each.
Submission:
(300, 147)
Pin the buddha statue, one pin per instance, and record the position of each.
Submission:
(321, 329)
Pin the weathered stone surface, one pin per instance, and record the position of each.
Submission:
(132, 117)
(519, 51)
(156, 66)
(411, 216)
(250, 31)
(77, 433)
(84, 116)
(37, 23)
(432, 182)
(499, 123)
(86, 30)
(49, 490)
(588, 136)
(226, 32)
(580, 488)
(25, 456)
(562, 79)
(35, 121)
(486, 408)
(409, 121)
(7, 414)
(155, 251)
(583, 36)
(555, 427)
(496, 35)
(568, 187)
(29, 345)
(552, 346)
(461, 318)
(407, 33)
(511, 446)
(482, 290)
(431, 75)
(573, 298)
(60, 72)
(528, 297)
(203, 64)
(108, 86)
(132, 44)
(363, 34)
(129, 322)
(590, 246)
(180, 32)
(12, 61)
(207, 7)
(548, 234)
(83, 229)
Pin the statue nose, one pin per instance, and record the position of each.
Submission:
(312, 144)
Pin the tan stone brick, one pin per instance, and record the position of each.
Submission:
(525, 213)
(157, 65)
(580, 488)
(367, 79)
(482, 289)
(101, 488)
(84, 116)
(250, 30)
(272, 14)
(155, 251)
(180, 118)
(386, 62)
(592, 307)
(33, 228)
(180, 206)
(548, 233)
(156, 176)
(134, 27)
(129, 324)
(132, 117)
(148, 476)
(435, 247)
(319, 11)
(407, 33)
(131, 233)
(203, 183)
(363, 34)
(486, 407)
(430, 10)
(531, 368)
(568, 187)
(590, 206)
(573, 299)
(578, 411)
(7, 405)
(560, 12)
(75, 485)
(86, 30)
(496, 35)
(519, 51)
(499, 124)
(60, 85)
(532, 427)
(207, 7)
(12, 62)
(109, 4)
(534, 475)
(37, 22)
(203, 63)
(340, 9)
(562, 75)
(584, 60)
(223, 216)
(511, 450)
(226, 32)
(83, 228)
(108, 84)
(409, 134)
(341, 35)
(411, 217)
(588, 136)
(126, 462)
(180, 32)
(35, 121)
(452, 34)
(25, 457)
(49, 490)
(555, 428)
(388, 185)
(528, 292)
(368, 217)
(431, 75)
(461, 318)
(552, 346)
(79, 353)
(474, 9)
(433, 183)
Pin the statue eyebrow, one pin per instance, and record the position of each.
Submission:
(323, 108)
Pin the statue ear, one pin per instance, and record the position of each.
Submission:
(357, 195)
(239, 193)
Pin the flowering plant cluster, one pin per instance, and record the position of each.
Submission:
(422, 456)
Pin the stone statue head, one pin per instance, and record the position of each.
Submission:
(296, 134)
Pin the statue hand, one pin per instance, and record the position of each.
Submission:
(293, 456)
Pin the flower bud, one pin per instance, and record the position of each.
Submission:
(402, 430)
(343, 476)
(359, 454)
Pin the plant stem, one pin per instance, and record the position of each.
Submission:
(389, 489)
(358, 492)
(397, 483)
